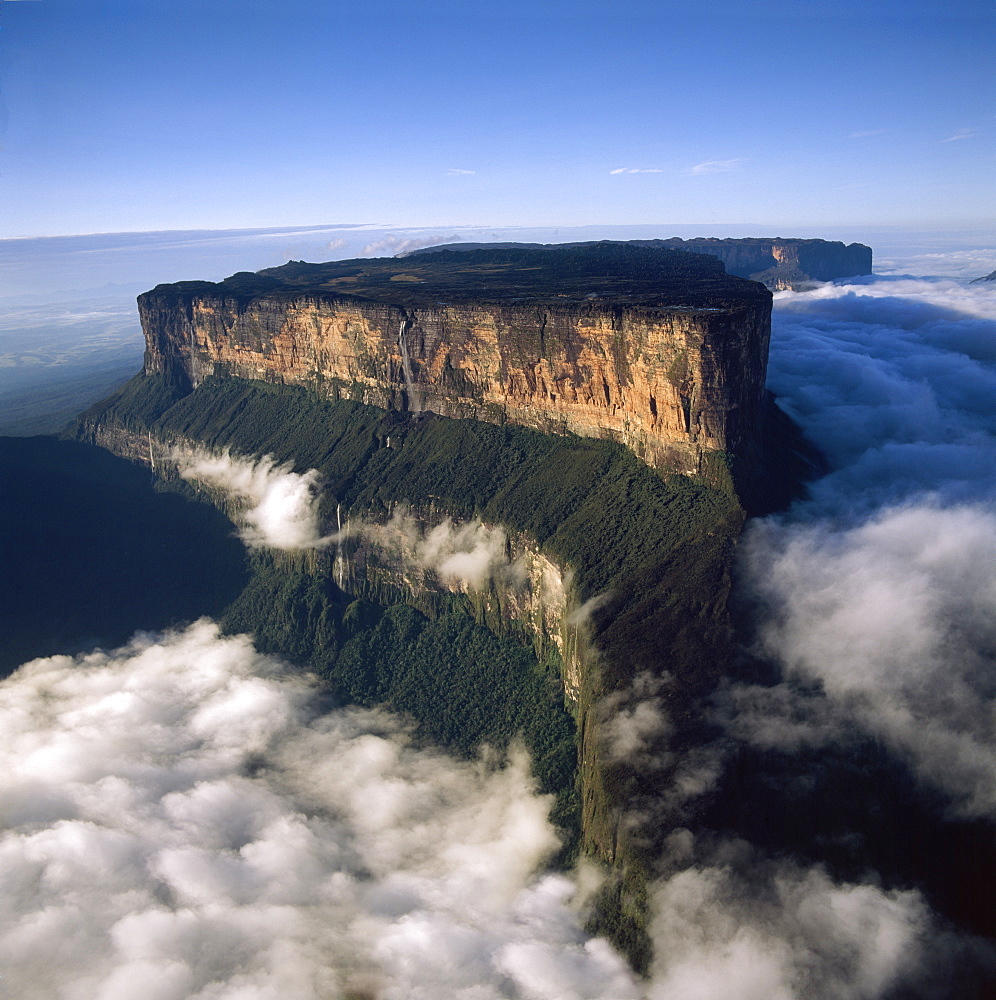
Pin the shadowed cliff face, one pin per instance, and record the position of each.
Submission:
(658, 350)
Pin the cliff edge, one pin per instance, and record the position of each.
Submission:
(655, 348)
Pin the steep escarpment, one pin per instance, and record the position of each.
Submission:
(658, 350)
(778, 263)
(583, 381)
(621, 572)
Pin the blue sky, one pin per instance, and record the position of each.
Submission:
(130, 115)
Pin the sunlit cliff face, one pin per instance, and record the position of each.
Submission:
(676, 375)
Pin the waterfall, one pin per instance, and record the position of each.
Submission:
(406, 365)
(339, 570)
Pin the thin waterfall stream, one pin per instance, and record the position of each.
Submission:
(406, 365)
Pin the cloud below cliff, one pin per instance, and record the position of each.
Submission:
(275, 507)
(879, 593)
(467, 556)
(894, 620)
(181, 821)
(742, 928)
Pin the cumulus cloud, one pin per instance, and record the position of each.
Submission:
(895, 619)
(717, 166)
(781, 932)
(180, 821)
(278, 508)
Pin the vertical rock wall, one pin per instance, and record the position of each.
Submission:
(676, 385)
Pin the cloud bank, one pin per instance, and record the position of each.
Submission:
(879, 593)
(895, 620)
(182, 822)
(902, 403)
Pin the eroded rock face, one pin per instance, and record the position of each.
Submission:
(671, 367)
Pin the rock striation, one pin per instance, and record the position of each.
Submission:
(776, 262)
(658, 349)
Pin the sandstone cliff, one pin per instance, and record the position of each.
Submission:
(656, 349)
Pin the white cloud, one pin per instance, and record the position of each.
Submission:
(636, 170)
(902, 404)
(278, 508)
(457, 172)
(962, 133)
(583, 612)
(782, 933)
(893, 619)
(394, 245)
(970, 264)
(717, 166)
(881, 589)
(633, 722)
(468, 556)
(179, 822)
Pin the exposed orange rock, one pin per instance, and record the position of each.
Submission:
(676, 383)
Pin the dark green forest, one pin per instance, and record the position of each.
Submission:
(95, 547)
(657, 548)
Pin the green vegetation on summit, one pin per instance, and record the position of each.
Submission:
(624, 274)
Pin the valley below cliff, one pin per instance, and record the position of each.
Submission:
(598, 570)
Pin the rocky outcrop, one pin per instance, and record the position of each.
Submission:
(660, 351)
(776, 262)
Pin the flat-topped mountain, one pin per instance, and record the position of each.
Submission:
(776, 262)
(655, 348)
